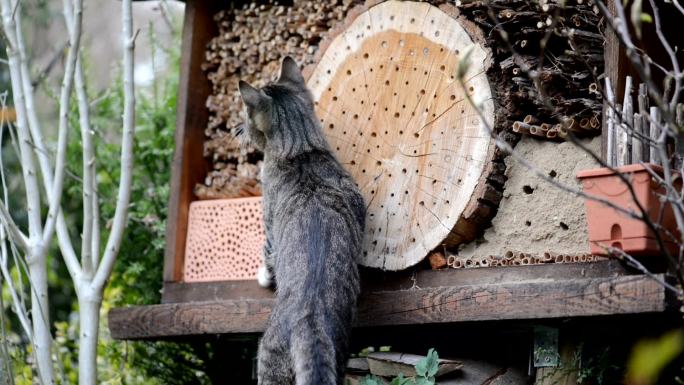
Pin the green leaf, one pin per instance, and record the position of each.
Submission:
(634, 14)
(650, 356)
(646, 18)
(427, 367)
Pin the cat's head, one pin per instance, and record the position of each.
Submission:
(280, 116)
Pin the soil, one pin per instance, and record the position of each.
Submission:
(535, 216)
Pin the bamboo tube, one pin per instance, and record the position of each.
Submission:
(451, 260)
(537, 131)
(521, 127)
(562, 132)
(547, 256)
(571, 124)
(594, 122)
(593, 88)
(559, 259)
(567, 258)
(552, 134)
(508, 254)
(529, 119)
(583, 258)
(584, 124)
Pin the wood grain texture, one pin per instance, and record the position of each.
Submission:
(189, 166)
(532, 299)
(400, 122)
(374, 280)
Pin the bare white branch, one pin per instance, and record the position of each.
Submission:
(41, 152)
(123, 198)
(63, 131)
(88, 259)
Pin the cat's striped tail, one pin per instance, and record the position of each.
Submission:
(313, 353)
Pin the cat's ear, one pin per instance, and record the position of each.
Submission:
(290, 72)
(251, 96)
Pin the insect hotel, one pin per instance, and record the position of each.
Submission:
(412, 97)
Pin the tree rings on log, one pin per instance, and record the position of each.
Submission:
(400, 122)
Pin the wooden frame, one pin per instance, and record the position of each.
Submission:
(415, 296)
(426, 297)
(189, 166)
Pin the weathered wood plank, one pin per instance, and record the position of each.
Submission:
(528, 300)
(543, 298)
(375, 280)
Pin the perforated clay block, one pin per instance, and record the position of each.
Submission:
(224, 241)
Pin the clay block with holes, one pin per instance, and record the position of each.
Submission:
(608, 227)
(225, 240)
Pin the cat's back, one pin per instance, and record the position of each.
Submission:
(313, 181)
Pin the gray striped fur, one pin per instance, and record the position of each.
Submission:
(314, 220)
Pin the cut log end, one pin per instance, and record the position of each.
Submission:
(401, 124)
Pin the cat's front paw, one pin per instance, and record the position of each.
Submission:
(264, 277)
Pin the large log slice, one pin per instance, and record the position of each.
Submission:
(401, 123)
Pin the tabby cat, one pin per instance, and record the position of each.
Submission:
(314, 220)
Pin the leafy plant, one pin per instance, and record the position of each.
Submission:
(426, 370)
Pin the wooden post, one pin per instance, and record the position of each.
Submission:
(189, 166)
(566, 371)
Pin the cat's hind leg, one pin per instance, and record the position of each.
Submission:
(274, 366)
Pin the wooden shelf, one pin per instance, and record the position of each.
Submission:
(426, 297)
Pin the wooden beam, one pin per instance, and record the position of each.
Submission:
(189, 165)
(374, 280)
(532, 299)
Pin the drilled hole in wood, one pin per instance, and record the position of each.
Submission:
(527, 189)
(563, 226)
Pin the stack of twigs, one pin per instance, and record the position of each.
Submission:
(251, 41)
(548, 56)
